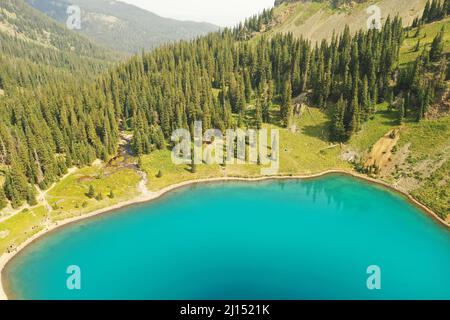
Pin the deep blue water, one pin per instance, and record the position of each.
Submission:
(308, 239)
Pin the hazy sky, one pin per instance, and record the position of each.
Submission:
(219, 12)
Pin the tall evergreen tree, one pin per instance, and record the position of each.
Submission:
(258, 114)
(3, 200)
(286, 104)
(401, 112)
(437, 46)
(338, 129)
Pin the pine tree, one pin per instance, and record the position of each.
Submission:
(286, 104)
(31, 196)
(338, 128)
(420, 111)
(417, 47)
(193, 167)
(391, 100)
(258, 114)
(248, 87)
(91, 192)
(16, 186)
(401, 112)
(267, 101)
(437, 47)
(419, 29)
(365, 100)
(3, 200)
(356, 114)
(426, 11)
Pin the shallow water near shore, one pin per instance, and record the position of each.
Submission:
(291, 239)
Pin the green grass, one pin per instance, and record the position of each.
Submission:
(303, 11)
(428, 138)
(21, 227)
(172, 174)
(435, 193)
(68, 198)
(307, 150)
(427, 34)
(374, 129)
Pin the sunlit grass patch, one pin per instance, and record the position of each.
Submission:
(374, 129)
(435, 193)
(427, 34)
(70, 197)
(20, 227)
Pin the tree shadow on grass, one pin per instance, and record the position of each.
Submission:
(389, 118)
(320, 131)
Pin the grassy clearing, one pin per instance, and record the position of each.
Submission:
(435, 193)
(308, 150)
(294, 16)
(374, 129)
(304, 12)
(426, 36)
(22, 226)
(171, 174)
(69, 198)
(304, 151)
(428, 138)
(426, 165)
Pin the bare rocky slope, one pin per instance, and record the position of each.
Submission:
(316, 20)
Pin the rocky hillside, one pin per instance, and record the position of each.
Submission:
(121, 26)
(316, 20)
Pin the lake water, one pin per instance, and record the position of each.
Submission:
(298, 239)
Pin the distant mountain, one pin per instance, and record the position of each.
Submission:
(35, 49)
(121, 26)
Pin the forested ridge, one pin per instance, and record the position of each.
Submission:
(35, 50)
(43, 67)
(121, 26)
(47, 128)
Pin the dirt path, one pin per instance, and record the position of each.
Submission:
(382, 150)
(41, 199)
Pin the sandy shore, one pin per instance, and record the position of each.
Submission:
(5, 258)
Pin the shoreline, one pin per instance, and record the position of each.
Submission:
(7, 257)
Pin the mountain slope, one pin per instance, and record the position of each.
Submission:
(121, 26)
(35, 49)
(21, 22)
(316, 20)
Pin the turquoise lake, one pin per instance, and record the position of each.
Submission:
(292, 239)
